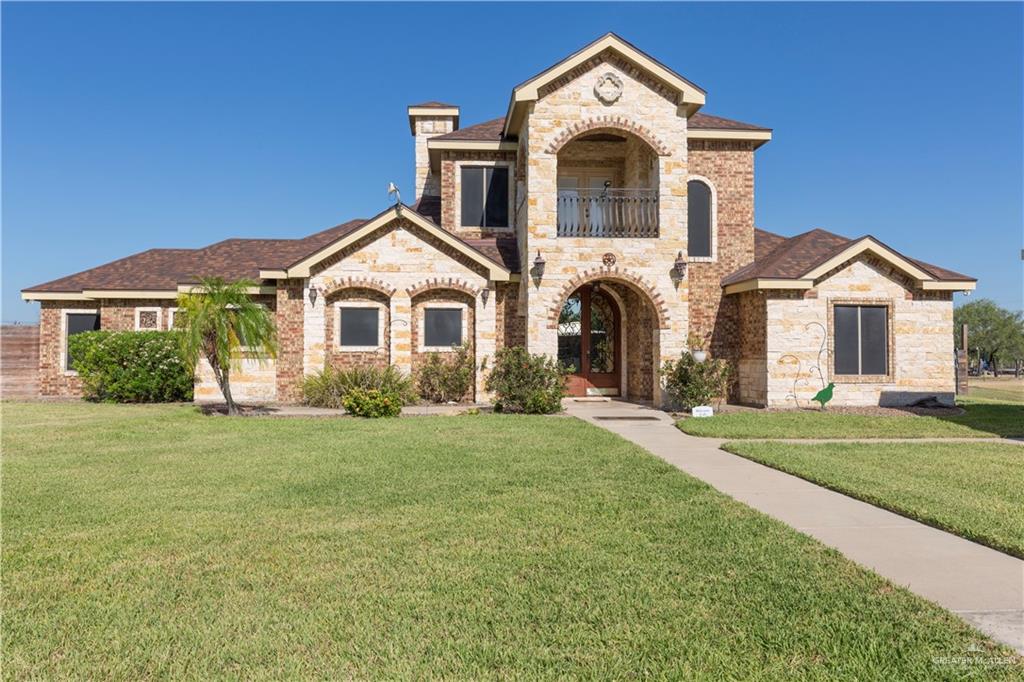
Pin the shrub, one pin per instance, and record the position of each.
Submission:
(370, 402)
(534, 384)
(329, 387)
(131, 367)
(690, 383)
(447, 377)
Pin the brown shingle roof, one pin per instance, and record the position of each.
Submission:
(776, 257)
(490, 131)
(433, 105)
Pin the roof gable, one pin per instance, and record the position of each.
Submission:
(688, 94)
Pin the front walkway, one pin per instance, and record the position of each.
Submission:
(981, 585)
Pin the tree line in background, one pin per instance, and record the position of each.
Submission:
(995, 336)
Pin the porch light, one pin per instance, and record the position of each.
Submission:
(680, 265)
(313, 293)
(538, 266)
(485, 294)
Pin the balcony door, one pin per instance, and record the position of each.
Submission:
(590, 342)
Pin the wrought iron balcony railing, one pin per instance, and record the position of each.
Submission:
(608, 212)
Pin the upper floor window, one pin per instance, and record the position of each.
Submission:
(700, 217)
(485, 196)
(861, 345)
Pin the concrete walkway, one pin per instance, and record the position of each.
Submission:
(981, 585)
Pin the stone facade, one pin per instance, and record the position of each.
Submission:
(564, 111)
(798, 334)
(636, 135)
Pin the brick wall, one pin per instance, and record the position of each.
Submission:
(729, 166)
(290, 339)
(338, 357)
(751, 385)
(451, 184)
(440, 296)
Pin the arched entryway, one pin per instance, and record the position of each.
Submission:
(590, 341)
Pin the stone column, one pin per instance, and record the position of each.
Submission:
(401, 331)
(485, 341)
(314, 336)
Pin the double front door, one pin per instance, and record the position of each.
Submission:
(589, 342)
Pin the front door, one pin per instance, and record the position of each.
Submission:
(589, 341)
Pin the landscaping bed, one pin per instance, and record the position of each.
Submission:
(151, 542)
(975, 490)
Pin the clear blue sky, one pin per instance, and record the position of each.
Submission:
(131, 126)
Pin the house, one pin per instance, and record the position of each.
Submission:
(603, 219)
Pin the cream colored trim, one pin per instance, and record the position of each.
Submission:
(713, 258)
(129, 293)
(171, 314)
(433, 111)
(868, 244)
(53, 296)
(421, 321)
(150, 309)
(273, 274)
(473, 145)
(768, 283)
(459, 165)
(381, 311)
(760, 136)
(528, 91)
(64, 336)
(302, 269)
(949, 286)
(198, 289)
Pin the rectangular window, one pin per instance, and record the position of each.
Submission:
(484, 196)
(359, 327)
(76, 323)
(442, 327)
(861, 341)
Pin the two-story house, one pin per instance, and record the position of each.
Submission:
(604, 219)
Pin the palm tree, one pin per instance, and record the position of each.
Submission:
(221, 322)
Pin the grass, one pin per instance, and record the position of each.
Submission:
(974, 490)
(982, 419)
(1007, 389)
(152, 542)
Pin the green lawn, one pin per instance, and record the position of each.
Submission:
(153, 542)
(975, 490)
(1004, 388)
(983, 419)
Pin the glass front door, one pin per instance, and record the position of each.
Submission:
(589, 342)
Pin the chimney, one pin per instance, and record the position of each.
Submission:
(428, 120)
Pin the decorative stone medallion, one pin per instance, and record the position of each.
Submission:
(608, 259)
(608, 88)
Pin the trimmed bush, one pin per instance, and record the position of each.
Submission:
(447, 377)
(329, 387)
(372, 403)
(690, 383)
(534, 384)
(131, 367)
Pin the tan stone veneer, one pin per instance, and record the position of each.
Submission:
(643, 111)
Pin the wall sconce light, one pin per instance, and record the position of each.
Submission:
(537, 271)
(680, 266)
(485, 294)
(313, 293)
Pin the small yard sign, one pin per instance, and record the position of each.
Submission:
(702, 411)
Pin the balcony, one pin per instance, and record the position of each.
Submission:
(608, 212)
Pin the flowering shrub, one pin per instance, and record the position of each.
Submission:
(447, 377)
(372, 403)
(131, 367)
(329, 387)
(690, 383)
(534, 384)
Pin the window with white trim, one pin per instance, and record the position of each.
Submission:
(485, 196)
(861, 340)
(443, 326)
(172, 318)
(358, 326)
(147, 319)
(76, 322)
(700, 219)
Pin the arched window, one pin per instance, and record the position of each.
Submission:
(700, 216)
